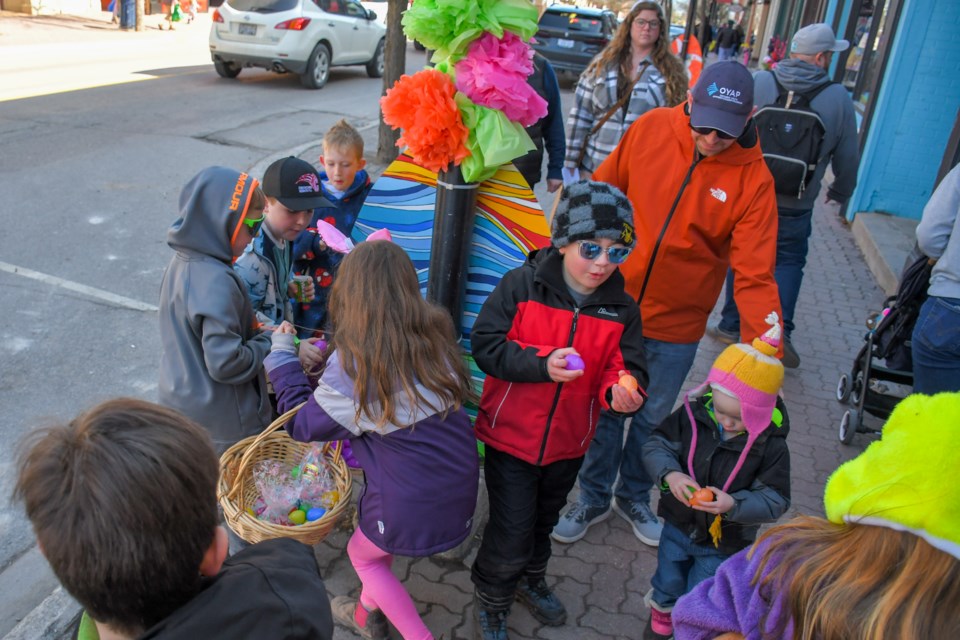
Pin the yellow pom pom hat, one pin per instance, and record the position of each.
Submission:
(752, 374)
(907, 480)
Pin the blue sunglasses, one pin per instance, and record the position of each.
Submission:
(591, 251)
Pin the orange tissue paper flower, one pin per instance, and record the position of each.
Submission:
(423, 107)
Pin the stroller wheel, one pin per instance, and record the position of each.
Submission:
(856, 390)
(843, 388)
(849, 424)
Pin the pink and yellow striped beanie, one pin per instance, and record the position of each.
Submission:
(752, 374)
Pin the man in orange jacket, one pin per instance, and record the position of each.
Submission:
(703, 200)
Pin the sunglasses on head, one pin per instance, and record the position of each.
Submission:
(591, 251)
(705, 131)
(253, 224)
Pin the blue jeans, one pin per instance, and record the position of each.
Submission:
(723, 53)
(936, 346)
(668, 364)
(793, 236)
(681, 565)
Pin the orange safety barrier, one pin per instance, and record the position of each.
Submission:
(694, 56)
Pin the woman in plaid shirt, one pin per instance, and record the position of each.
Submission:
(634, 73)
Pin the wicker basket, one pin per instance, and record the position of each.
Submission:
(237, 491)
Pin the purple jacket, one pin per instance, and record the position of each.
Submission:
(421, 475)
(728, 602)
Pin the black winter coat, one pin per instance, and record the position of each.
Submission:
(761, 488)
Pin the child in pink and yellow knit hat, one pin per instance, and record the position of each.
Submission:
(723, 467)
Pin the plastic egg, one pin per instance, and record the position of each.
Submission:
(297, 516)
(574, 362)
(629, 382)
(315, 514)
(330, 498)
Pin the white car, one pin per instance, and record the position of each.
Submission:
(305, 37)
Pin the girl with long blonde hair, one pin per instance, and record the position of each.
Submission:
(634, 73)
(394, 384)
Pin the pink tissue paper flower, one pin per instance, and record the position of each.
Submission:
(494, 74)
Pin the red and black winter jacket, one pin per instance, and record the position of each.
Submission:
(529, 315)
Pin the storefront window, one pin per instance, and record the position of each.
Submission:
(862, 75)
(869, 34)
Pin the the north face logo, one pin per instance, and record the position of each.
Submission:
(719, 194)
(712, 89)
(602, 311)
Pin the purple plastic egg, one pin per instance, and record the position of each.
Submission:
(574, 362)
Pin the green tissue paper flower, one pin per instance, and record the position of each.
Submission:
(449, 26)
(493, 140)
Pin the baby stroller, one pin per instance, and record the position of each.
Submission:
(875, 388)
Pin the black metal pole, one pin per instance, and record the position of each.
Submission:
(453, 217)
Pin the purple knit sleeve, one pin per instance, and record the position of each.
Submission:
(728, 602)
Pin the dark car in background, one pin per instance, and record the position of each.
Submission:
(569, 37)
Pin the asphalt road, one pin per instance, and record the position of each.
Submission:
(99, 130)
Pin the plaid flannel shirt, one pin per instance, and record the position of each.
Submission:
(594, 97)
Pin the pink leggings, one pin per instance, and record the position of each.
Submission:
(382, 590)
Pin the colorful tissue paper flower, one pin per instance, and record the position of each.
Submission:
(493, 140)
(449, 26)
(494, 74)
(423, 106)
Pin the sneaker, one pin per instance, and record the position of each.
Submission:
(489, 625)
(646, 526)
(722, 335)
(661, 626)
(574, 523)
(791, 359)
(542, 602)
(370, 625)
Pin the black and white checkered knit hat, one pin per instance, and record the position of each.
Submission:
(589, 210)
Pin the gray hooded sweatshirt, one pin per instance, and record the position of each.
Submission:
(835, 108)
(938, 235)
(211, 367)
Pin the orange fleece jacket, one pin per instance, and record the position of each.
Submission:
(726, 215)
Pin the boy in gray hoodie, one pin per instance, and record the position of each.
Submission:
(211, 368)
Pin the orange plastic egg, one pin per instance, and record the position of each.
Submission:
(701, 495)
(629, 382)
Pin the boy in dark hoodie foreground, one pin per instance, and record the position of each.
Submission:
(123, 503)
(211, 368)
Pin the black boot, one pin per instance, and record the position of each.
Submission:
(490, 619)
(542, 601)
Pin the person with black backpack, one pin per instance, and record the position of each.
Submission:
(805, 123)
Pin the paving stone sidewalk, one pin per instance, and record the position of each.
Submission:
(602, 578)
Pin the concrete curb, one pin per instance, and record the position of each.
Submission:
(52, 619)
(885, 242)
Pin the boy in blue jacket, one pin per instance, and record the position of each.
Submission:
(292, 190)
(345, 185)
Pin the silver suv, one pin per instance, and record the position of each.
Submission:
(305, 37)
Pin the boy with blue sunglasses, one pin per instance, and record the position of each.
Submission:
(555, 338)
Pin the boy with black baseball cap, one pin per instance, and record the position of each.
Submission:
(292, 190)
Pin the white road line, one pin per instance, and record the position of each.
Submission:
(91, 292)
